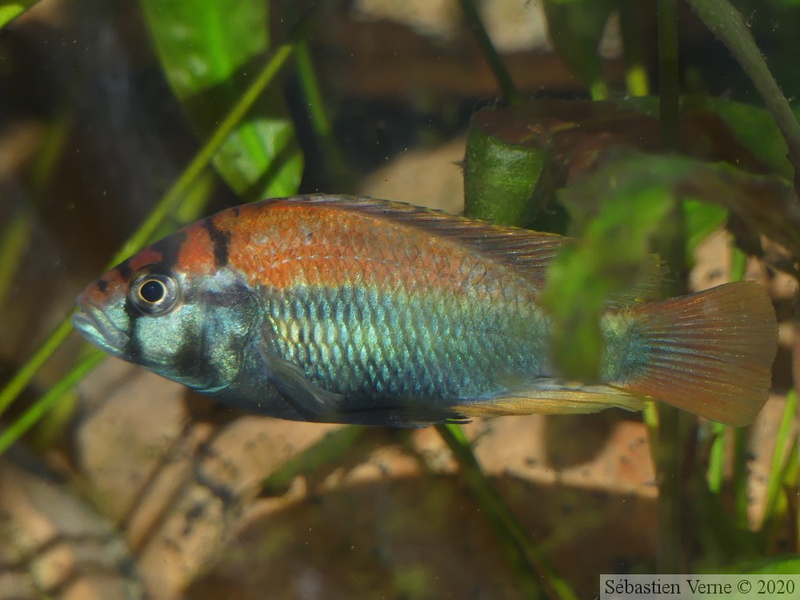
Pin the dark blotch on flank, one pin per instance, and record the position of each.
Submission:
(220, 239)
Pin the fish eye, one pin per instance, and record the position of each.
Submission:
(153, 293)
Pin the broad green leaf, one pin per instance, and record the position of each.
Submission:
(730, 27)
(753, 126)
(208, 51)
(757, 130)
(701, 219)
(617, 213)
(611, 255)
(11, 9)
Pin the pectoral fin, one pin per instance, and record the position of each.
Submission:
(311, 401)
(549, 396)
(319, 405)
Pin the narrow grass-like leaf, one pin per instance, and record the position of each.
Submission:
(715, 473)
(518, 545)
(630, 20)
(342, 177)
(328, 450)
(166, 206)
(669, 75)
(535, 576)
(207, 51)
(716, 462)
(780, 458)
(757, 130)
(501, 74)
(727, 23)
(40, 408)
(740, 457)
(576, 27)
(14, 238)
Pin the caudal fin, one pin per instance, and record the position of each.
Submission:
(711, 353)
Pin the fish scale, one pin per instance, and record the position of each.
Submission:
(356, 310)
(403, 342)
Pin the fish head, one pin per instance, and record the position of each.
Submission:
(174, 311)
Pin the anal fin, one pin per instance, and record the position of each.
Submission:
(410, 417)
(550, 396)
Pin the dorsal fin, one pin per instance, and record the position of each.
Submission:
(527, 252)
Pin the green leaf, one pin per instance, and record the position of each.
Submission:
(576, 27)
(700, 220)
(611, 256)
(617, 213)
(11, 9)
(757, 130)
(329, 450)
(209, 52)
(730, 27)
(772, 565)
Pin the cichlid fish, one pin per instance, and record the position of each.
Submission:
(354, 310)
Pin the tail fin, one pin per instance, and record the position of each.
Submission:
(711, 352)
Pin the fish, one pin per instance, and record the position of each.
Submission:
(342, 309)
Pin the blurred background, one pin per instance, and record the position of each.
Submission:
(132, 487)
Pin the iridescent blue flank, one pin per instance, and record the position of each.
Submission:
(374, 345)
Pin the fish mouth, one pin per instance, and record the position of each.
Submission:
(92, 322)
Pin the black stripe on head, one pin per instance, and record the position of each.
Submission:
(125, 270)
(133, 350)
(169, 248)
(220, 239)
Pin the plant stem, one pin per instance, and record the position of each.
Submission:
(740, 454)
(780, 458)
(635, 69)
(669, 75)
(501, 74)
(532, 567)
(14, 238)
(672, 424)
(716, 459)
